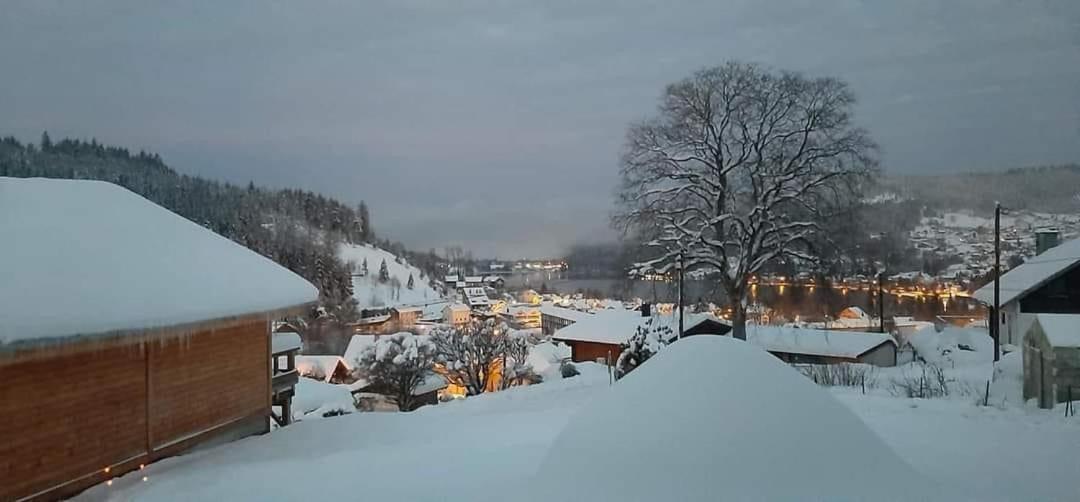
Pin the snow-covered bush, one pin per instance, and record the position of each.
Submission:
(840, 375)
(643, 344)
(397, 364)
(924, 380)
(567, 369)
(516, 369)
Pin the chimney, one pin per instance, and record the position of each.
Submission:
(646, 309)
(1045, 238)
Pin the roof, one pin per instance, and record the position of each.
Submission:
(1062, 330)
(474, 278)
(321, 366)
(284, 342)
(564, 313)
(92, 258)
(1031, 274)
(409, 309)
(375, 319)
(616, 326)
(816, 342)
(458, 307)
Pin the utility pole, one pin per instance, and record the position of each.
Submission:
(881, 298)
(681, 275)
(995, 316)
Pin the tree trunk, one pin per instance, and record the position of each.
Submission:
(738, 320)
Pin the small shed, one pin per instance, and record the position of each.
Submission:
(600, 336)
(163, 326)
(818, 346)
(1052, 359)
(329, 369)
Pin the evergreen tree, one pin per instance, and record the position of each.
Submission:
(46, 142)
(364, 268)
(410, 284)
(366, 234)
(384, 273)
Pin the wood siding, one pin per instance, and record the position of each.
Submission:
(66, 418)
(591, 351)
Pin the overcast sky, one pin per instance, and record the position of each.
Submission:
(497, 125)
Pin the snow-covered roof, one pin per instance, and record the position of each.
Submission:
(376, 319)
(408, 309)
(1035, 272)
(478, 301)
(1062, 330)
(283, 342)
(88, 257)
(356, 347)
(320, 366)
(474, 279)
(816, 342)
(458, 307)
(616, 326)
(432, 382)
(564, 313)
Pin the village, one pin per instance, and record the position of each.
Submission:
(539, 251)
(257, 371)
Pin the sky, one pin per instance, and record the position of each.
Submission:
(497, 125)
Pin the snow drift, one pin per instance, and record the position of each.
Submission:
(712, 418)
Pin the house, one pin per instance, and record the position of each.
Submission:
(474, 281)
(1048, 283)
(529, 296)
(404, 318)
(494, 281)
(457, 314)
(818, 346)
(1052, 359)
(554, 318)
(524, 316)
(329, 369)
(130, 334)
(600, 337)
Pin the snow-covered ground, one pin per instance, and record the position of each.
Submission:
(372, 293)
(747, 417)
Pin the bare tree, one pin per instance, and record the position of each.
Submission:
(471, 354)
(516, 369)
(740, 169)
(396, 365)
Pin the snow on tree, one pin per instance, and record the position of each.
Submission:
(384, 273)
(410, 284)
(516, 369)
(397, 364)
(471, 354)
(741, 168)
(646, 341)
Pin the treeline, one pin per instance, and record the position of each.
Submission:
(1051, 189)
(297, 229)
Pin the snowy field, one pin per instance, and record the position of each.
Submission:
(371, 293)
(688, 423)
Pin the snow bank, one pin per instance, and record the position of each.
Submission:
(314, 399)
(367, 289)
(88, 257)
(953, 347)
(712, 418)
(545, 359)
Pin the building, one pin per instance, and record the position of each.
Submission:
(600, 337)
(525, 316)
(329, 369)
(1048, 283)
(529, 296)
(130, 334)
(457, 314)
(1052, 359)
(816, 346)
(554, 318)
(390, 320)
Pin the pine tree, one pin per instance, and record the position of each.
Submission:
(384, 273)
(46, 142)
(410, 284)
(363, 267)
(366, 234)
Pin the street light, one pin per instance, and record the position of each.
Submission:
(995, 331)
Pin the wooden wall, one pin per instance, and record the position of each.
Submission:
(66, 418)
(591, 351)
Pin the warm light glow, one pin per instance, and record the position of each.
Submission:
(108, 483)
(106, 470)
(144, 478)
(142, 466)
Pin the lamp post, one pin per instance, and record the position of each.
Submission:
(681, 272)
(995, 330)
(881, 298)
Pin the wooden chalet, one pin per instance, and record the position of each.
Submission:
(130, 334)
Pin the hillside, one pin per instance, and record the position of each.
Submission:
(370, 292)
(1048, 189)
